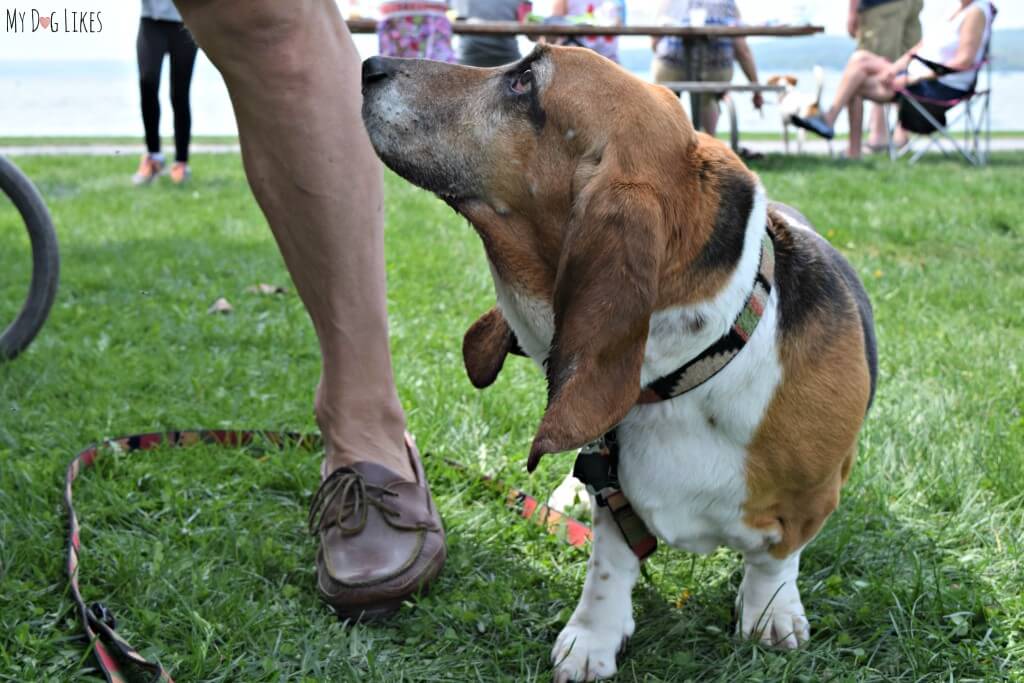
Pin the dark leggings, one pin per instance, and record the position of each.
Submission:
(157, 38)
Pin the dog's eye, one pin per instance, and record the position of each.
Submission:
(522, 83)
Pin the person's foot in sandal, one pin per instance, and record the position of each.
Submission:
(150, 166)
(899, 140)
(381, 538)
(815, 124)
(180, 172)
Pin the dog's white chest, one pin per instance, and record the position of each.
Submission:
(689, 491)
(683, 462)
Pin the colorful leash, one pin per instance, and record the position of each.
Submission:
(112, 651)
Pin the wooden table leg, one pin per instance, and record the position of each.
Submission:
(693, 54)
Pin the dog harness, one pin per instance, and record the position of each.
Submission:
(597, 462)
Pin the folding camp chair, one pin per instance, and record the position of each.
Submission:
(927, 117)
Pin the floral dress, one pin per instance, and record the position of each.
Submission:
(599, 12)
(415, 29)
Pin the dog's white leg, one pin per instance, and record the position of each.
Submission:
(603, 621)
(769, 601)
(785, 137)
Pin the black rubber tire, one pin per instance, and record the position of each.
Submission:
(45, 260)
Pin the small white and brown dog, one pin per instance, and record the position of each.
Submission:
(623, 245)
(792, 103)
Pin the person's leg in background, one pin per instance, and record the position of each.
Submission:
(293, 74)
(150, 48)
(912, 33)
(183, 51)
(883, 31)
(856, 111)
(709, 113)
(711, 109)
(862, 80)
(665, 71)
(877, 132)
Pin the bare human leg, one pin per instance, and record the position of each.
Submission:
(856, 111)
(862, 77)
(877, 136)
(709, 113)
(293, 74)
(318, 181)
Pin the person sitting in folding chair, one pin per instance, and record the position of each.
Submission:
(942, 68)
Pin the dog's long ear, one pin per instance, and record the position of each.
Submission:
(605, 291)
(485, 346)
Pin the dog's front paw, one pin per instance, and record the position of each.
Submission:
(781, 623)
(584, 653)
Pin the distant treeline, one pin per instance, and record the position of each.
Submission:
(831, 52)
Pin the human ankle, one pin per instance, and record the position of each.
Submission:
(385, 448)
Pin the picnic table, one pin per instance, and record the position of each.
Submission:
(695, 40)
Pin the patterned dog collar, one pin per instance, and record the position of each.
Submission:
(597, 462)
(714, 358)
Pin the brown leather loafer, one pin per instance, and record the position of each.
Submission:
(381, 538)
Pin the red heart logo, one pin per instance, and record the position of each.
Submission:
(44, 22)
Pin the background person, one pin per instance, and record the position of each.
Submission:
(959, 45)
(415, 30)
(888, 28)
(161, 32)
(488, 50)
(717, 64)
(293, 74)
(600, 12)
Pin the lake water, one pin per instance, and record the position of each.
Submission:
(101, 98)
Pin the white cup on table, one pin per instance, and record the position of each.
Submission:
(698, 16)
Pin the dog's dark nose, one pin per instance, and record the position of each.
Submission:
(376, 69)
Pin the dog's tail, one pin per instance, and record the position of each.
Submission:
(819, 78)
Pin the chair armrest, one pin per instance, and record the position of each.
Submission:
(938, 68)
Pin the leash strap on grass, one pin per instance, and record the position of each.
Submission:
(118, 660)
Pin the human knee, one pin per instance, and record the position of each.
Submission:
(860, 58)
(220, 26)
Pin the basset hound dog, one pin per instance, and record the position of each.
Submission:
(726, 347)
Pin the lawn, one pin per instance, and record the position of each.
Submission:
(168, 142)
(203, 553)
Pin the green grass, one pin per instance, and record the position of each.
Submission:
(202, 553)
(62, 140)
(168, 142)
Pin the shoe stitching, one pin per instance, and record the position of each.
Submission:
(355, 496)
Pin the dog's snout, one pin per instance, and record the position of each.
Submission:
(376, 69)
